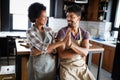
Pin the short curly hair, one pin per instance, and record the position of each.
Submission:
(34, 11)
(74, 8)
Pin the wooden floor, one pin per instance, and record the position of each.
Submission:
(104, 74)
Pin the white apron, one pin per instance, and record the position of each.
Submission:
(75, 68)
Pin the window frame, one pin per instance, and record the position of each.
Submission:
(113, 15)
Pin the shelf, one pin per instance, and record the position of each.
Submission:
(103, 0)
(69, 0)
(83, 7)
(102, 10)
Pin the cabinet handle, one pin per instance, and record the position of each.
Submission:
(7, 78)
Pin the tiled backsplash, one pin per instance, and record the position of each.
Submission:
(57, 23)
(96, 29)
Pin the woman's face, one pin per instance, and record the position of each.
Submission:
(42, 18)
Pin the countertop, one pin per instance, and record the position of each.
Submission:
(12, 33)
(108, 43)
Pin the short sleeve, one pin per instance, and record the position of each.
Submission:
(87, 35)
(61, 34)
(35, 41)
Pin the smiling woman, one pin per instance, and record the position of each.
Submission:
(19, 8)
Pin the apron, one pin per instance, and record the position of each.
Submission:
(75, 68)
(42, 67)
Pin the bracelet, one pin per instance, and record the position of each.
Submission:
(70, 45)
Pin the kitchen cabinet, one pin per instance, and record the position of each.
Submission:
(99, 10)
(95, 57)
(108, 56)
(92, 10)
(6, 45)
(102, 9)
(83, 6)
(62, 5)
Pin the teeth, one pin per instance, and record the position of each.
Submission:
(69, 22)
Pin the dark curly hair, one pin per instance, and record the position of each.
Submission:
(74, 8)
(34, 11)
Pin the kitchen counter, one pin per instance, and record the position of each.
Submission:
(12, 33)
(108, 43)
(7, 40)
(109, 52)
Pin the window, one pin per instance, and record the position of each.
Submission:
(117, 17)
(20, 22)
(19, 10)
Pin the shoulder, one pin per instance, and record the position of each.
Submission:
(85, 33)
(31, 30)
(61, 33)
(47, 29)
(64, 29)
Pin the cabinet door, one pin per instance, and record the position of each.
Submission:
(95, 57)
(93, 10)
(108, 58)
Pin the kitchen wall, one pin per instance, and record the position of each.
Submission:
(96, 29)
(57, 23)
(99, 29)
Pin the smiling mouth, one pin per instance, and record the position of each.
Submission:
(69, 22)
(70, 25)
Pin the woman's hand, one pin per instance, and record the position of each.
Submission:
(50, 49)
(36, 52)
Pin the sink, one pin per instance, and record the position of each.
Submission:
(105, 42)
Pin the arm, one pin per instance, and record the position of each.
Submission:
(65, 53)
(62, 51)
(37, 47)
(49, 50)
(75, 49)
(35, 42)
(83, 50)
(53, 46)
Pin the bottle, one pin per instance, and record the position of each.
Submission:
(101, 17)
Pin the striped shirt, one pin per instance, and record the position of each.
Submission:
(36, 40)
